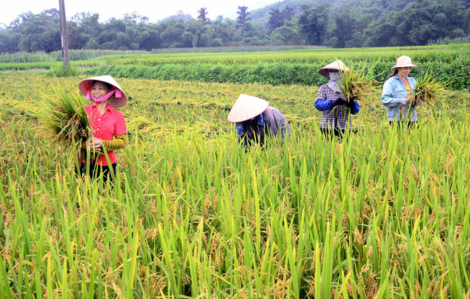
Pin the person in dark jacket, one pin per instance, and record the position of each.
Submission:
(335, 118)
(255, 120)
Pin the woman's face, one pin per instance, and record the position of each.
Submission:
(404, 71)
(99, 89)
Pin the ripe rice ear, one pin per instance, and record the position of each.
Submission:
(427, 89)
(64, 118)
(355, 84)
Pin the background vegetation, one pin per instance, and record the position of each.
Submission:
(447, 62)
(333, 23)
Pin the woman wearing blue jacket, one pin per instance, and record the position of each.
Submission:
(398, 91)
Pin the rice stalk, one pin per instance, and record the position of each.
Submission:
(64, 119)
(428, 89)
(356, 83)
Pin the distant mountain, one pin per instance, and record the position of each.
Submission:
(179, 16)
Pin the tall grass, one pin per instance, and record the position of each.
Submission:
(382, 214)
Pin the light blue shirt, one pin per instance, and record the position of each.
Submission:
(393, 91)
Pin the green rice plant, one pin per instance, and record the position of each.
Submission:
(381, 214)
(273, 67)
(61, 71)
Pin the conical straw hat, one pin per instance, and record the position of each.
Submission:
(115, 101)
(246, 107)
(336, 65)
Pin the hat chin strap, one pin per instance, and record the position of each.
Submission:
(117, 92)
(89, 96)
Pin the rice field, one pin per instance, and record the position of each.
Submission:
(287, 66)
(382, 214)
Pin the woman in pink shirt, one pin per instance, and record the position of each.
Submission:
(108, 124)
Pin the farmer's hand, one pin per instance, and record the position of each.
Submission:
(404, 102)
(95, 144)
(337, 102)
(350, 103)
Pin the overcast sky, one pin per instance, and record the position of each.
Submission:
(153, 9)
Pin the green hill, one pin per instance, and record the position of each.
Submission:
(260, 16)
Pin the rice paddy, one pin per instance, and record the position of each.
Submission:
(383, 213)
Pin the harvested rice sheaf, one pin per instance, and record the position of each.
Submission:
(64, 118)
(356, 83)
(427, 89)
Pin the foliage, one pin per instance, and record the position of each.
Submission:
(202, 16)
(418, 23)
(26, 57)
(238, 49)
(347, 28)
(382, 214)
(261, 16)
(64, 118)
(61, 71)
(449, 41)
(243, 19)
(428, 89)
(286, 35)
(356, 83)
(277, 18)
(449, 63)
(313, 23)
(179, 16)
(333, 23)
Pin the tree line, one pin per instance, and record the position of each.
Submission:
(353, 23)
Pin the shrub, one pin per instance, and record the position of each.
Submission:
(60, 71)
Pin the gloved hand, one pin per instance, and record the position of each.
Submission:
(350, 104)
(404, 102)
(337, 102)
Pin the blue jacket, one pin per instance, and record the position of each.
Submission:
(323, 105)
(274, 121)
(393, 90)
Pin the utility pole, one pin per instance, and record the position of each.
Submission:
(63, 35)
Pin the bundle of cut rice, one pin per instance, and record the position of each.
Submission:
(355, 84)
(64, 118)
(427, 89)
